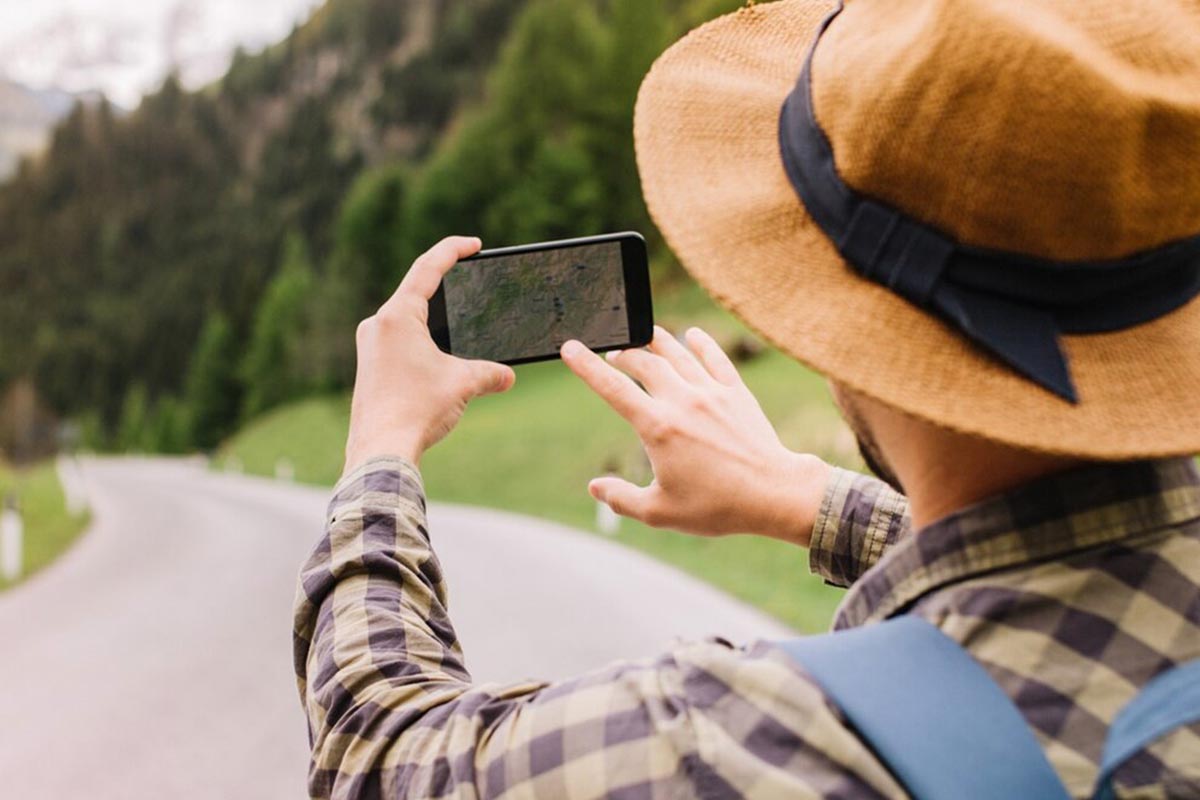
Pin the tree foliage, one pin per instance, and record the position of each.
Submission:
(132, 430)
(168, 428)
(271, 371)
(136, 255)
(370, 235)
(212, 392)
(551, 154)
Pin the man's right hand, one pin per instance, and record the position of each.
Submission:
(719, 466)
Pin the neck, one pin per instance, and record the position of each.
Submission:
(947, 473)
(943, 471)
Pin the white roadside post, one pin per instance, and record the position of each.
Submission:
(285, 470)
(608, 521)
(12, 540)
(74, 485)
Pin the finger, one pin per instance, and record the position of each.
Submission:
(427, 271)
(613, 386)
(627, 499)
(713, 357)
(651, 371)
(488, 377)
(666, 345)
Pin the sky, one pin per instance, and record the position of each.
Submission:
(125, 47)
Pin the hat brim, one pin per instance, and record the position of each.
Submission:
(706, 133)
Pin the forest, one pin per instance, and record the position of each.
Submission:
(169, 273)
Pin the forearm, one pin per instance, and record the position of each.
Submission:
(392, 711)
(860, 518)
(376, 654)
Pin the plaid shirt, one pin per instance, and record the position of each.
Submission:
(1072, 592)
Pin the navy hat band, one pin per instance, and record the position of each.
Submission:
(1014, 306)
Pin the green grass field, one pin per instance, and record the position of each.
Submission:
(49, 528)
(534, 449)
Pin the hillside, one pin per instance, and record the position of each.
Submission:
(188, 276)
(261, 217)
(534, 449)
(132, 230)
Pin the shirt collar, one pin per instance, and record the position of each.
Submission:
(1045, 519)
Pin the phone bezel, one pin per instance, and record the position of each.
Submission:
(638, 303)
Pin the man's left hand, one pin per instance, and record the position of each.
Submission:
(408, 394)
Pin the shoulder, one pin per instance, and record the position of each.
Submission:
(762, 723)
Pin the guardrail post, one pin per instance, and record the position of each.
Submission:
(607, 520)
(285, 470)
(12, 540)
(74, 485)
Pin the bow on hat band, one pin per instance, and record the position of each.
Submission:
(1014, 306)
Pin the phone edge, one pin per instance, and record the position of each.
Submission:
(638, 338)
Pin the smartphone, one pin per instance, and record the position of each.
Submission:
(521, 304)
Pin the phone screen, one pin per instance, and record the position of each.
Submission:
(524, 306)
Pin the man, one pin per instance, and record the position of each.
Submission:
(981, 221)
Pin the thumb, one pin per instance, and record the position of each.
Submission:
(489, 377)
(623, 497)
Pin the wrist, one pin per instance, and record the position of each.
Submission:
(799, 482)
(360, 450)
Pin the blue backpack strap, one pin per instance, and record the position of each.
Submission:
(1167, 703)
(930, 712)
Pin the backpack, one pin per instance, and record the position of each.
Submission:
(947, 731)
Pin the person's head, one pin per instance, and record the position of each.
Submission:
(978, 219)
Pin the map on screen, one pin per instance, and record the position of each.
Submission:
(527, 305)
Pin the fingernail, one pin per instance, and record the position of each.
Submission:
(611, 355)
(572, 349)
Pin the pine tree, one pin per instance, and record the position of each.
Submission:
(369, 230)
(635, 34)
(167, 428)
(270, 372)
(522, 169)
(212, 395)
(131, 430)
(323, 355)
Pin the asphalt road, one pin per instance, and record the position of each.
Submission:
(154, 659)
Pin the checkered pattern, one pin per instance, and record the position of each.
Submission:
(859, 520)
(1072, 592)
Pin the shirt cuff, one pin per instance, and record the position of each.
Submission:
(860, 517)
(391, 481)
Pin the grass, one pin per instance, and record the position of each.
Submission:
(534, 449)
(49, 528)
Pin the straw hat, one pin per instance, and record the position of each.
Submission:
(985, 213)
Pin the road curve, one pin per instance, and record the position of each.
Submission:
(154, 659)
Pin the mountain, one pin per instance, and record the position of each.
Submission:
(222, 242)
(89, 55)
(135, 228)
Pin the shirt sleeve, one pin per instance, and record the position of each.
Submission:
(393, 711)
(860, 518)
